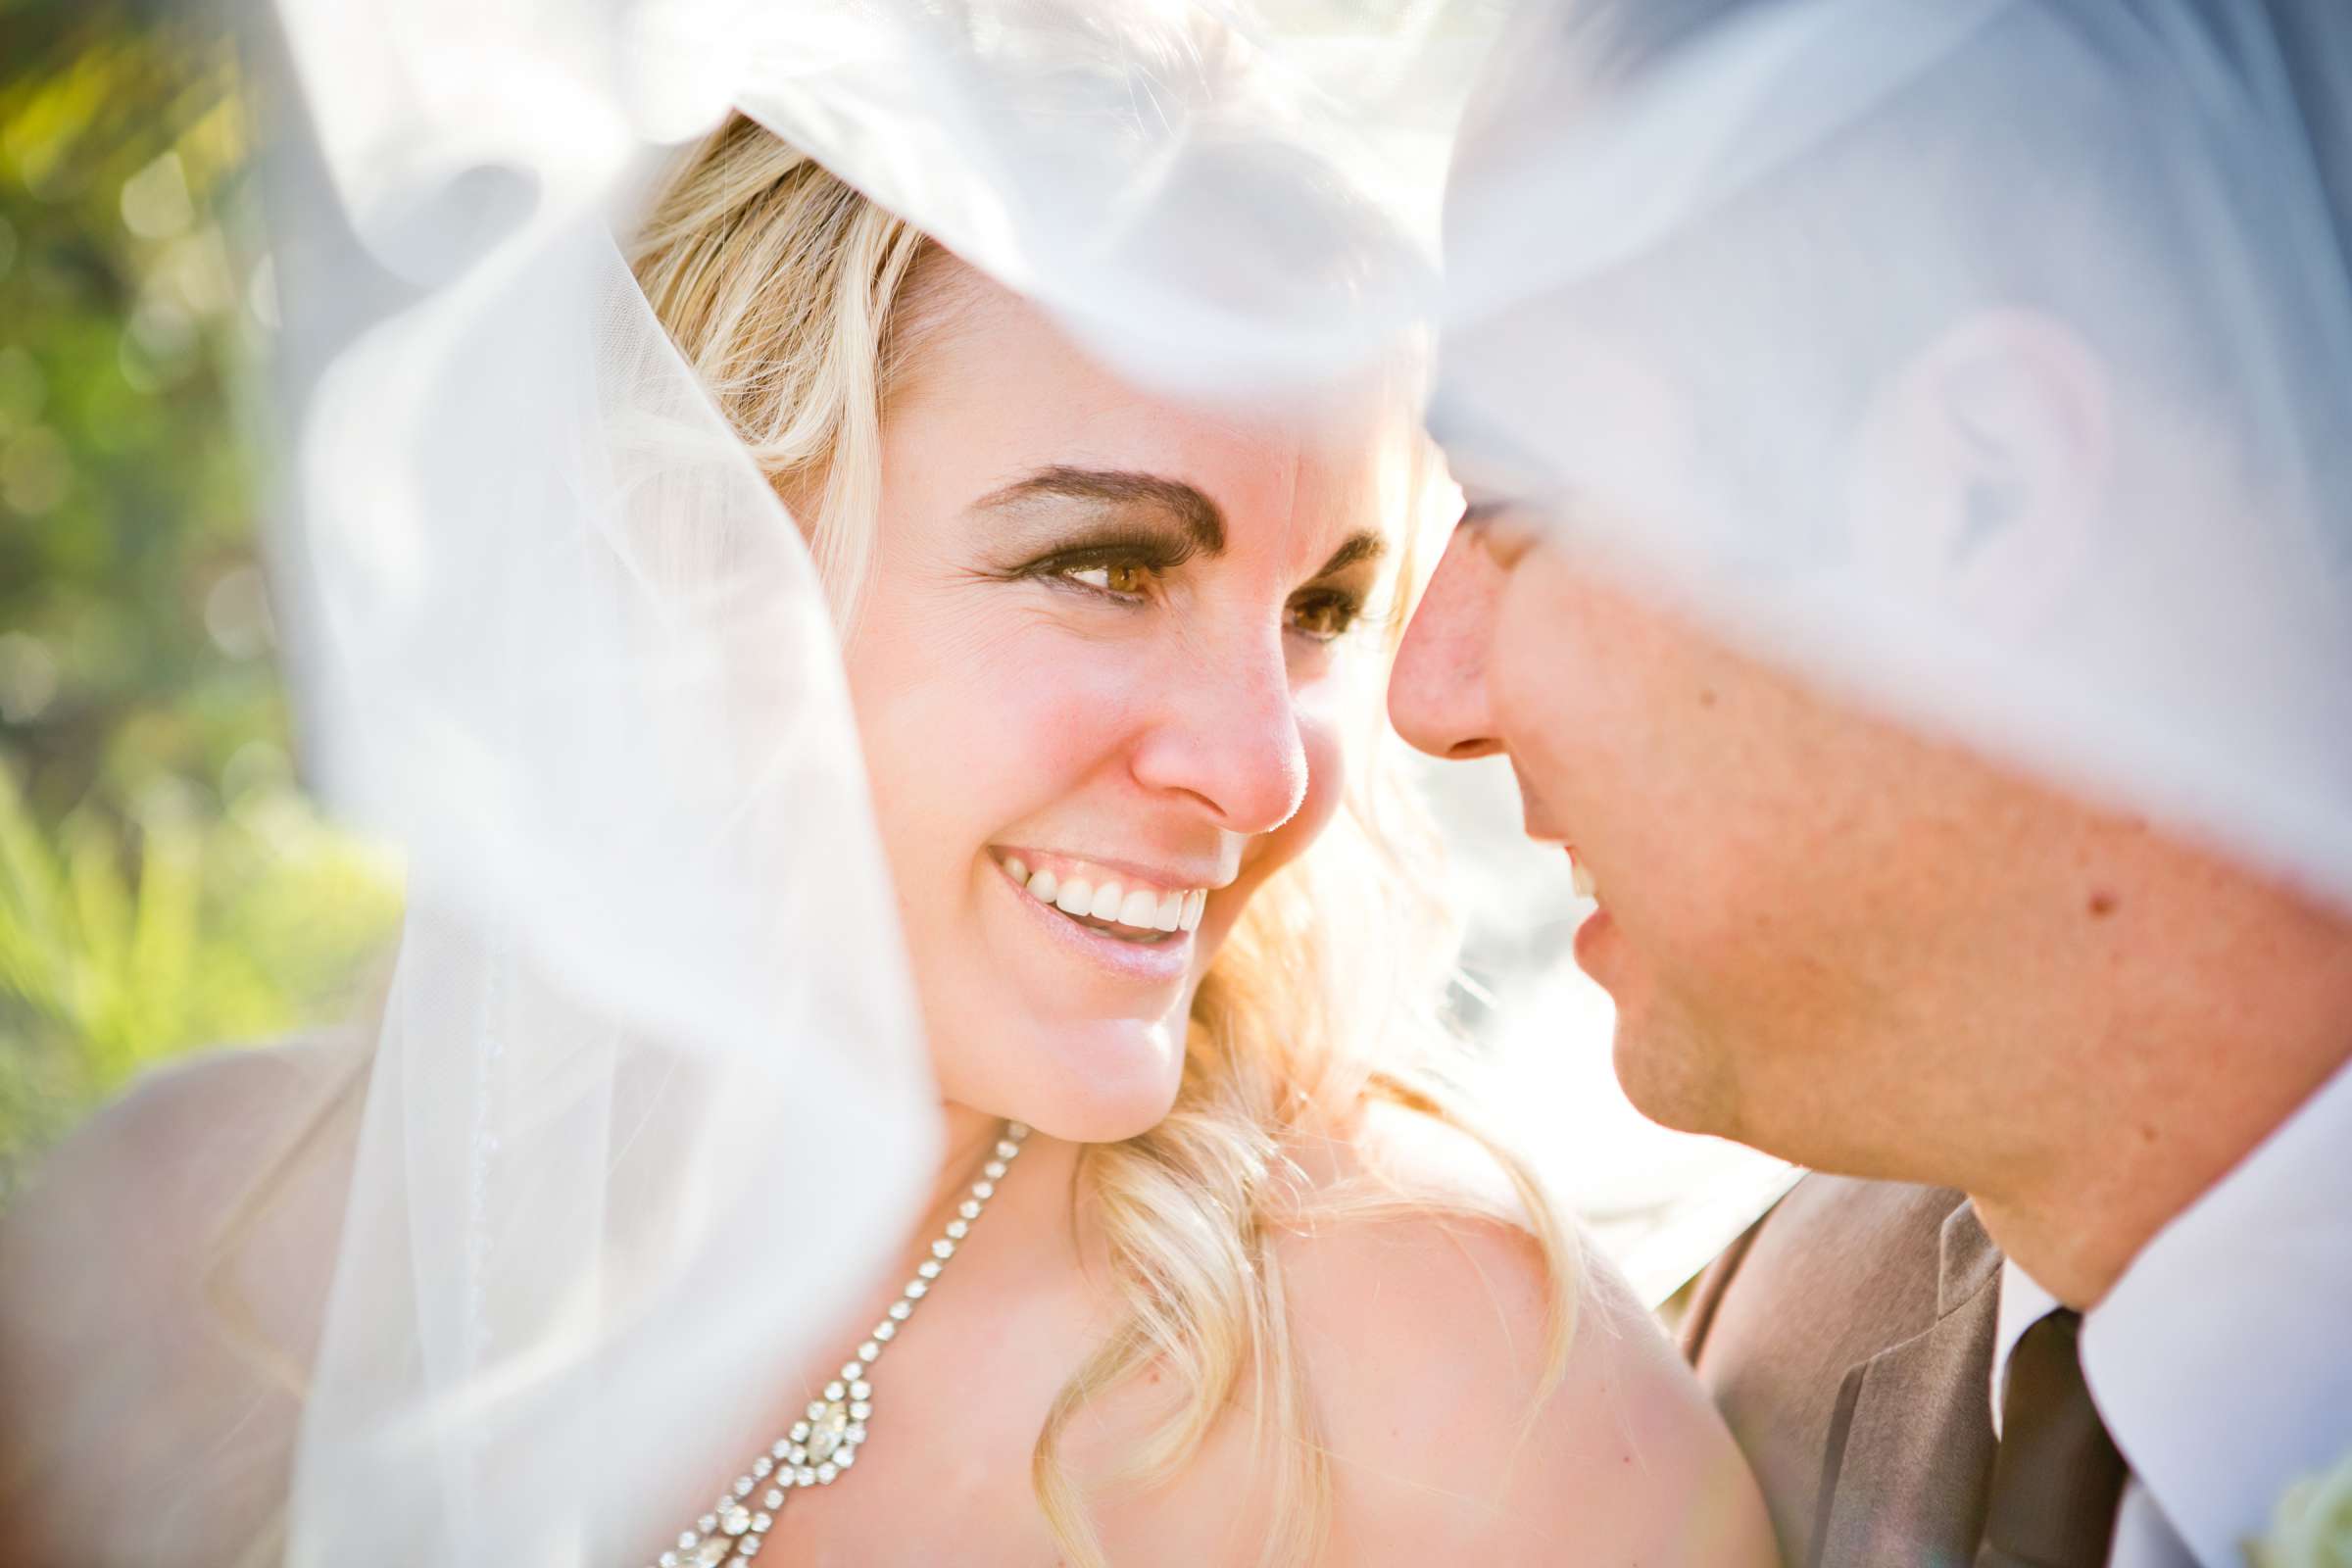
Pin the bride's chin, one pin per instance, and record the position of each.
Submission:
(1102, 1081)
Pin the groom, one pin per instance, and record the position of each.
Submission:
(2081, 1083)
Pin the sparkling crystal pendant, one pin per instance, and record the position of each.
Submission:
(825, 1444)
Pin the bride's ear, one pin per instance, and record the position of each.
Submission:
(1980, 468)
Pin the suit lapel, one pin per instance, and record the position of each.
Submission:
(1910, 1444)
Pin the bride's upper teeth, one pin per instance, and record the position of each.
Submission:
(1145, 907)
(1580, 876)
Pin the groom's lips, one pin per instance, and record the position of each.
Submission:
(1594, 939)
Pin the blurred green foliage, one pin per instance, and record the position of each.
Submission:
(162, 883)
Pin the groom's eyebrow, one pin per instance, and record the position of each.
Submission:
(1359, 546)
(1122, 490)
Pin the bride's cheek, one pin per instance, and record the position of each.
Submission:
(1321, 740)
(1320, 737)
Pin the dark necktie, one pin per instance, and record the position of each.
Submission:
(2056, 1477)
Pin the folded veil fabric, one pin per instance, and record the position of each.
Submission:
(649, 1095)
(1762, 212)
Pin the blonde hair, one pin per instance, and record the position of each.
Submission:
(791, 295)
(801, 304)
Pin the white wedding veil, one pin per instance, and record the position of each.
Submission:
(648, 1085)
(649, 1095)
(1761, 214)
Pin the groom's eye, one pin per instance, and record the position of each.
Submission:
(1505, 532)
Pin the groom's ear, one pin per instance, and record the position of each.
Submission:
(1980, 470)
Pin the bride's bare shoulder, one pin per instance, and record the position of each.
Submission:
(1425, 1335)
(163, 1272)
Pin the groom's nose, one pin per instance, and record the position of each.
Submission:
(1438, 690)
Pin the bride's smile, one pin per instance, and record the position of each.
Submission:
(1136, 949)
(1146, 906)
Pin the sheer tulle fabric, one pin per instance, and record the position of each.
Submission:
(650, 1095)
(1672, 324)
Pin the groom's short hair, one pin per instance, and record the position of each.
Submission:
(2077, 157)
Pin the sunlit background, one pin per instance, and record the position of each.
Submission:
(165, 884)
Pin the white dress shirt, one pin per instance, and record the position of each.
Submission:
(2222, 1359)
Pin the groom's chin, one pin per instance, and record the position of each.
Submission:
(1672, 1078)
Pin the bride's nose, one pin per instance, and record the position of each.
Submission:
(1227, 734)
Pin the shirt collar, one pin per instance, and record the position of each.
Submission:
(2222, 1359)
(2023, 1305)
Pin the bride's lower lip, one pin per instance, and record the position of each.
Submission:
(1147, 963)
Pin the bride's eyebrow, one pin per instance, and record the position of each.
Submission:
(1196, 517)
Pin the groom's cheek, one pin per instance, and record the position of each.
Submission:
(1561, 658)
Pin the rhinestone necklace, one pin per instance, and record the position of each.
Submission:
(824, 1442)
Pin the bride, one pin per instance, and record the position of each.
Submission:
(1216, 1268)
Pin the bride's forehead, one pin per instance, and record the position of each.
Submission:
(1005, 392)
(961, 336)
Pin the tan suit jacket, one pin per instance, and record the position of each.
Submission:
(1847, 1337)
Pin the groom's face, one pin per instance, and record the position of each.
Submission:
(1826, 935)
(1823, 934)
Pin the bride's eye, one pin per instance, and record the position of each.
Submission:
(1325, 615)
(1123, 572)
(1122, 579)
